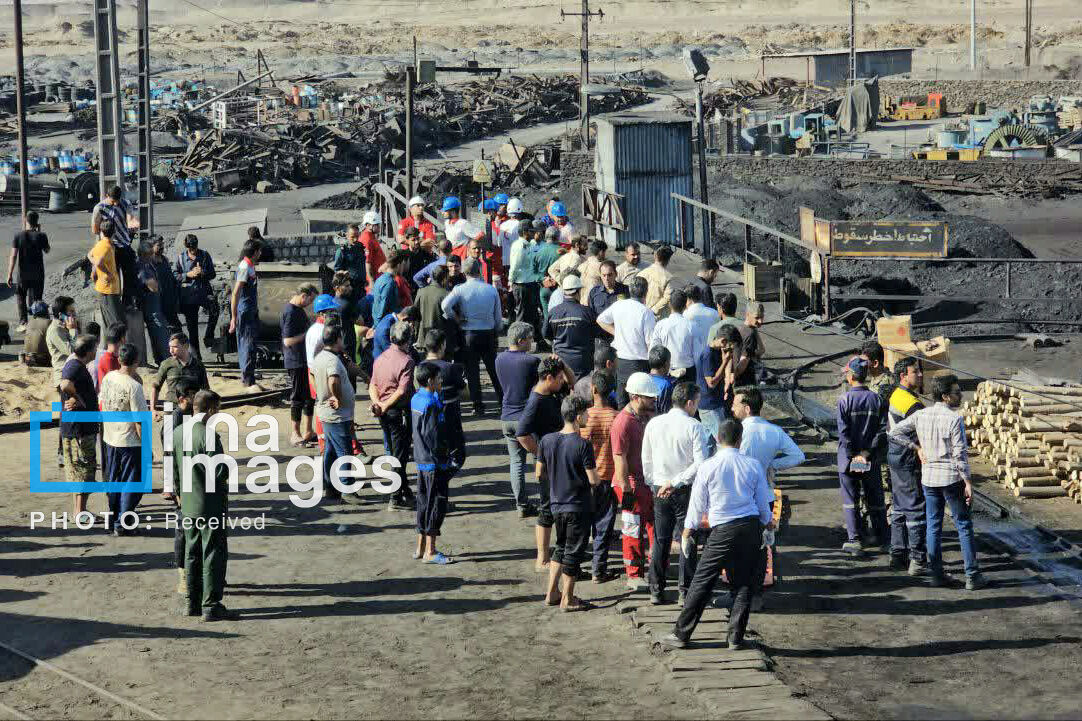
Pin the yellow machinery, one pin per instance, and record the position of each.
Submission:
(913, 108)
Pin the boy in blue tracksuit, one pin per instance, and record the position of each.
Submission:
(432, 453)
(861, 432)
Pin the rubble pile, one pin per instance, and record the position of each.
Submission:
(771, 92)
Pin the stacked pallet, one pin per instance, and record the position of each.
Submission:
(1032, 436)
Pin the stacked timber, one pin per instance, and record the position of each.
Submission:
(1031, 435)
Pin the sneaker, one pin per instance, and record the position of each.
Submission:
(353, 499)
(735, 645)
(916, 568)
(635, 584)
(59, 460)
(673, 641)
(527, 511)
(218, 612)
(657, 598)
(182, 583)
(975, 582)
(21, 328)
(680, 599)
(853, 548)
(603, 577)
(896, 562)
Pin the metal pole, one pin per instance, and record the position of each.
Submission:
(972, 34)
(1029, 29)
(411, 79)
(852, 42)
(145, 145)
(20, 110)
(703, 195)
(584, 76)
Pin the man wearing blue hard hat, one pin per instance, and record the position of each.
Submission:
(861, 431)
(457, 229)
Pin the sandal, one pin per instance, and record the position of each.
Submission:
(580, 606)
(439, 559)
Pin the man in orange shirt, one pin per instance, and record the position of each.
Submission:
(597, 431)
(373, 251)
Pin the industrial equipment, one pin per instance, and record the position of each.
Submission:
(913, 107)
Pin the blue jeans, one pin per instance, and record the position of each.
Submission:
(337, 442)
(157, 326)
(517, 455)
(711, 420)
(935, 499)
(123, 465)
(247, 333)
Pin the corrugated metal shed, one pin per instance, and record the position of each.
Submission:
(644, 157)
(830, 68)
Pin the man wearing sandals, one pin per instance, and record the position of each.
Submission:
(565, 461)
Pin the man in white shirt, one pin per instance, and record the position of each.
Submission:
(632, 264)
(631, 324)
(569, 261)
(701, 317)
(773, 448)
(509, 230)
(122, 460)
(731, 489)
(674, 332)
(457, 229)
(673, 448)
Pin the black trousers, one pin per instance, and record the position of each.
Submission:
(669, 515)
(396, 423)
(28, 292)
(300, 396)
(480, 347)
(624, 369)
(572, 538)
(191, 319)
(125, 261)
(528, 305)
(733, 546)
(432, 500)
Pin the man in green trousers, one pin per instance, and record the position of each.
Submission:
(205, 537)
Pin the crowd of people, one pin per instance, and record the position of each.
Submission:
(636, 395)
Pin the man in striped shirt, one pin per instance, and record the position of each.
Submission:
(938, 434)
(597, 430)
(115, 208)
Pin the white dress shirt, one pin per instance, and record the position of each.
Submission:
(701, 318)
(459, 232)
(506, 238)
(674, 332)
(729, 486)
(634, 325)
(770, 445)
(673, 447)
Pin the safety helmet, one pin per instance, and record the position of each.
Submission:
(559, 210)
(514, 205)
(451, 203)
(39, 309)
(416, 200)
(371, 218)
(488, 205)
(640, 384)
(502, 198)
(325, 302)
(571, 283)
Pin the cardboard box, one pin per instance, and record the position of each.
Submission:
(894, 330)
(894, 353)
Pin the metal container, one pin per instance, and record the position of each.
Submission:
(277, 284)
(644, 157)
(950, 138)
(1032, 152)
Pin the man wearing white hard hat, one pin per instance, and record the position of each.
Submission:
(415, 218)
(634, 497)
(572, 327)
(509, 230)
(524, 275)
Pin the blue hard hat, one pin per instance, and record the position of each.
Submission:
(502, 198)
(488, 205)
(325, 302)
(559, 210)
(451, 203)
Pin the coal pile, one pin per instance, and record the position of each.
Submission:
(1040, 292)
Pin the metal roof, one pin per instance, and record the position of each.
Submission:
(815, 53)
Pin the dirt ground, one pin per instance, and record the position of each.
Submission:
(337, 623)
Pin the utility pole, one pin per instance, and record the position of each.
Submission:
(972, 34)
(584, 67)
(411, 82)
(24, 176)
(852, 43)
(1029, 29)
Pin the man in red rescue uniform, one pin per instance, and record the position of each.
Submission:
(633, 496)
(416, 219)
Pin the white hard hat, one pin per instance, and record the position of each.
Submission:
(639, 384)
(514, 205)
(571, 282)
(371, 218)
(416, 200)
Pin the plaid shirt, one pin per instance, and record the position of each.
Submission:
(941, 434)
(596, 431)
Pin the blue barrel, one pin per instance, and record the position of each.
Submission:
(35, 166)
(191, 189)
(80, 162)
(66, 162)
(204, 187)
(130, 166)
(7, 167)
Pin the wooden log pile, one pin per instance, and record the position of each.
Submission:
(1031, 435)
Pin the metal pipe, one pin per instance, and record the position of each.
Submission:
(703, 195)
(410, 81)
(20, 110)
(972, 34)
(232, 90)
